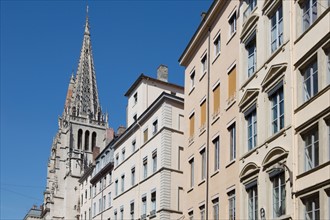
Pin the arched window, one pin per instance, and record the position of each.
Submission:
(79, 144)
(93, 140)
(86, 140)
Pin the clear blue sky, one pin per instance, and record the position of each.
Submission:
(40, 46)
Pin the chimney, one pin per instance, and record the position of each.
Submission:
(121, 129)
(162, 73)
(203, 15)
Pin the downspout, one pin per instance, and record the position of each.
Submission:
(140, 173)
(208, 124)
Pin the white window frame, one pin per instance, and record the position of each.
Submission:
(192, 172)
(251, 5)
(232, 141)
(312, 202)
(204, 64)
(310, 75)
(251, 49)
(278, 187)
(252, 128)
(192, 77)
(276, 27)
(252, 198)
(154, 161)
(311, 148)
(216, 144)
(217, 45)
(133, 176)
(232, 21)
(145, 167)
(202, 152)
(154, 126)
(276, 97)
(232, 205)
(308, 8)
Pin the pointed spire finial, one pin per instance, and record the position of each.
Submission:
(87, 23)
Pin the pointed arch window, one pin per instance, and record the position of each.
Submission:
(93, 140)
(86, 140)
(79, 143)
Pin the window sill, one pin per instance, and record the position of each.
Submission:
(283, 217)
(191, 90)
(202, 130)
(202, 76)
(231, 163)
(305, 173)
(215, 173)
(231, 37)
(215, 117)
(190, 141)
(230, 102)
(216, 57)
(254, 75)
(201, 182)
(191, 189)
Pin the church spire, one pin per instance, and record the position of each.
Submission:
(85, 100)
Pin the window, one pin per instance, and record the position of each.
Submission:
(216, 100)
(145, 167)
(155, 127)
(309, 8)
(94, 208)
(133, 176)
(279, 194)
(203, 113)
(277, 110)
(116, 187)
(216, 153)
(276, 29)
(135, 98)
(310, 84)
(251, 119)
(192, 125)
(202, 212)
(121, 213)
(191, 163)
(192, 79)
(312, 207)
(100, 205)
(232, 205)
(154, 161)
(144, 205)
(232, 134)
(133, 145)
(251, 48)
(191, 215)
(123, 154)
(232, 84)
(251, 5)
(153, 202)
(117, 159)
(216, 209)
(252, 192)
(132, 210)
(104, 202)
(122, 183)
(115, 214)
(217, 45)
(95, 190)
(204, 64)
(145, 135)
(110, 177)
(232, 24)
(135, 117)
(311, 140)
(203, 160)
(109, 199)
(328, 64)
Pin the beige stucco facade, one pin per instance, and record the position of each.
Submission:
(280, 110)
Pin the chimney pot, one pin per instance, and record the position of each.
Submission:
(162, 73)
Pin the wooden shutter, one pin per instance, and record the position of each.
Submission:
(232, 83)
(203, 112)
(216, 99)
(192, 125)
(145, 135)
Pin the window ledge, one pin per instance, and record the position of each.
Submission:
(215, 173)
(231, 163)
(191, 189)
(201, 182)
(191, 90)
(202, 76)
(284, 217)
(202, 129)
(215, 117)
(230, 102)
(305, 173)
(231, 37)
(216, 57)
(190, 140)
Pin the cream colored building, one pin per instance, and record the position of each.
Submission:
(280, 110)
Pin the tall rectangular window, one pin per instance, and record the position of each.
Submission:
(117, 160)
(232, 205)
(109, 199)
(232, 135)
(312, 207)
(122, 183)
(216, 153)
(203, 160)
(123, 154)
(155, 127)
(216, 209)
(154, 161)
(132, 210)
(115, 214)
(279, 194)
(232, 84)
(104, 202)
(192, 125)
(203, 113)
(309, 8)
(216, 99)
(192, 176)
(251, 119)
(121, 214)
(276, 29)
(192, 79)
(310, 85)
(251, 48)
(202, 212)
(145, 167)
(217, 45)
(116, 188)
(153, 203)
(94, 208)
(311, 139)
(145, 135)
(135, 98)
(251, 5)
(100, 205)
(133, 176)
(277, 100)
(252, 202)
(133, 146)
(232, 24)
(144, 205)
(191, 215)
(204, 64)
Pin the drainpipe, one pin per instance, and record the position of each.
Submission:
(139, 164)
(208, 124)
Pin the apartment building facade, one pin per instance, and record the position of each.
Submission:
(279, 119)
